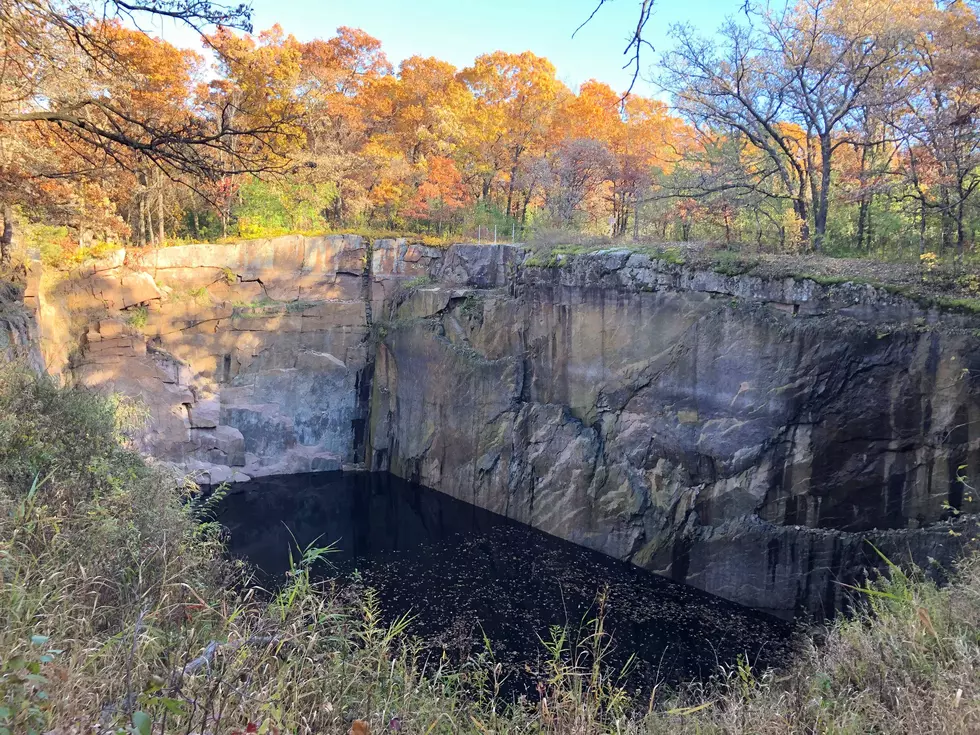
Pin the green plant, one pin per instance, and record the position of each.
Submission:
(137, 317)
(731, 263)
(24, 698)
(270, 208)
(417, 282)
(269, 307)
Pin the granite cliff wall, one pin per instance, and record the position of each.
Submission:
(18, 327)
(742, 434)
(254, 358)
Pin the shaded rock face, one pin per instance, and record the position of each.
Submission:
(18, 328)
(746, 435)
(741, 435)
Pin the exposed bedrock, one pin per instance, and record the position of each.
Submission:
(254, 358)
(746, 435)
(18, 327)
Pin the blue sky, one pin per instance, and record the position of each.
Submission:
(459, 30)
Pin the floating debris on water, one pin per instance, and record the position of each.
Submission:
(468, 576)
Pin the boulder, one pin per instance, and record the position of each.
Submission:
(221, 445)
(110, 328)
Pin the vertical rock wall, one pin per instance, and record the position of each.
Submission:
(744, 435)
(18, 328)
(254, 358)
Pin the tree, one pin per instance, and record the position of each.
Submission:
(517, 96)
(792, 88)
(63, 67)
(419, 112)
(578, 167)
(938, 124)
(440, 195)
(257, 84)
(335, 78)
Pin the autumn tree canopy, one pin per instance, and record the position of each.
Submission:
(845, 125)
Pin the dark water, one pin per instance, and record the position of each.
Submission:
(463, 572)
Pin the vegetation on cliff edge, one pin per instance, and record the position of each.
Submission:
(119, 612)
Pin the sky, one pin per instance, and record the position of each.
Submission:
(459, 30)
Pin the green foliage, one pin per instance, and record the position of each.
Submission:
(137, 317)
(24, 699)
(200, 296)
(56, 248)
(267, 209)
(965, 305)
(417, 282)
(52, 243)
(200, 225)
(730, 263)
(270, 307)
(48, 431)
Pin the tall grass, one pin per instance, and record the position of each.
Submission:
(120, 613)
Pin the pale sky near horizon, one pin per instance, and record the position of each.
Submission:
(459, 30)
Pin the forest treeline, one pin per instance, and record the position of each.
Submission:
(847, 126)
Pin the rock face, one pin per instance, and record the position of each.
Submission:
(745, 435)
(253, 358)
(742, 435)
(18, 328)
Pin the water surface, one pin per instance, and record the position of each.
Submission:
(463, 571)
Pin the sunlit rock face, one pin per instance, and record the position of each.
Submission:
(743, 434)
(252, 357)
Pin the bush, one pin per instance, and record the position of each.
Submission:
(269, 209)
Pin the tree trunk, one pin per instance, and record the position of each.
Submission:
(7, 238)
(803, 214)
(960, 228)
(636, 219)
(869, 223)
(947, 238)
(862, 221)
(622, 221)
(922, 227)
(144, 231)
(147, 225)
(822, 204)
(160, 209)
(863, 207)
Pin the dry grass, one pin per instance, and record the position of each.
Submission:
(119, 614)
